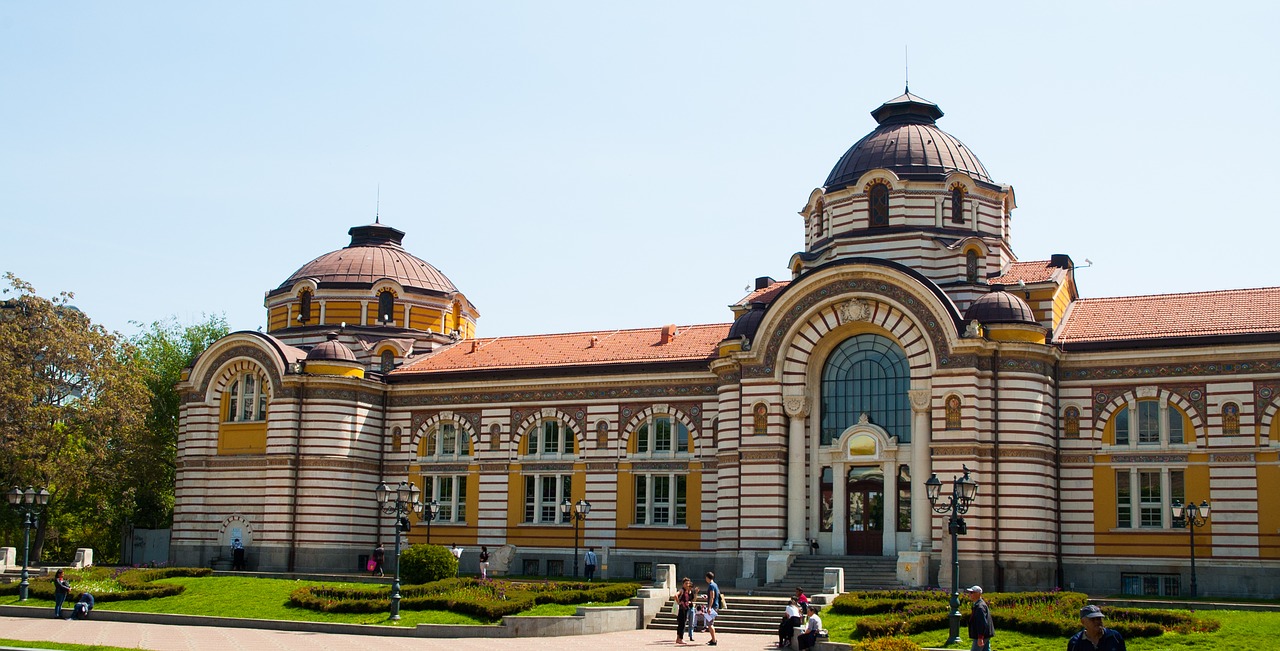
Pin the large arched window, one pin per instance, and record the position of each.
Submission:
(386, 306)
(878, 198)
(304, 306)
(866, 374)
(245, 399)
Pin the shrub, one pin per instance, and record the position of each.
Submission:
(135, 584)
(888, 644)
(427, 563)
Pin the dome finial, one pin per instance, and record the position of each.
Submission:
(906, 71)
(377, 206)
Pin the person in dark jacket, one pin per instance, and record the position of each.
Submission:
(83, 605)
(61, 588)
(1095, 636)
(379, 557)
(981, 628)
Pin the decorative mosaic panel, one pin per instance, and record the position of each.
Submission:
(1170, 370)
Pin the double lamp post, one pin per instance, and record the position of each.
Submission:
(579, 513)
(1191, 516)
(398, 502)
(29, 503)
(963, 490)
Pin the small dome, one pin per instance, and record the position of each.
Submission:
(375, 253)
(1000, 307)
(909, 143)
(331, 350)
(747, 324)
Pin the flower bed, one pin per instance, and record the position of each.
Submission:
(114, 584)
(490, 600)
(1047, 614)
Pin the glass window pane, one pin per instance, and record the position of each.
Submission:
(681, 499)
(233, 396)
(460, 501)
(566, 492)
(448, 438)
(1122, 426)
(662, 435)
(866, 374)
(642, 438)
(661, 499)
(1124, 496)
(530, 495)
(1177, 486)
(642, 499)
(550, 506)
(1175, 426)
(532, 447)
(682, 438)
(1148, 421)
(1151, 510)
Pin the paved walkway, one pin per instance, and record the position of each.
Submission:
(163, 637)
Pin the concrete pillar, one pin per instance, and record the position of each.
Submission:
(921, 467)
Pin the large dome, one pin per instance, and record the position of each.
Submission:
(909, 143)
(375, 253)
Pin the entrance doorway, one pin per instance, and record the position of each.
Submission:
(866, 511)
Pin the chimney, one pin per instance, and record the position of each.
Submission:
(475, 345)
(1060, 260)
(764, 281)
(668, 333)
(595, 341)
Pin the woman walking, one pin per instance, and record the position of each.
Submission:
(684, 610)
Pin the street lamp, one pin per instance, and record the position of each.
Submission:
(1191, 516)
(29, 503)
(579, 512)
(397, 503)
(427, 512)
(963, 490)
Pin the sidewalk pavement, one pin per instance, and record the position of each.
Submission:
(161, 637)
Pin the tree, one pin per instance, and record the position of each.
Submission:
(162, 351)
(73, 407)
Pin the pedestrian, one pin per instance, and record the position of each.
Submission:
(802, 600)
(790, 620)
(379, 557)
(684, 610)
(696, 611)
(83, 605)
(590, 561)
(714, 602)
(1094, 636)
(981, 628)
(237, 554)
(484, 562)
(61, 588)
(809, 637)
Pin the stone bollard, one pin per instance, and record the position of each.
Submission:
(8, 558)
(84, 558)
(833, 580)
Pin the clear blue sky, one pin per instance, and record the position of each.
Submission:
(578, 166)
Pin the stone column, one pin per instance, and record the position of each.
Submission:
(797, 408)
(921, 436)
(890, 524)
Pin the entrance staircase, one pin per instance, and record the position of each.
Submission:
(760, 610)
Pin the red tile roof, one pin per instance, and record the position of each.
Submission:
(1161, 316)
(1037, 271)
(694, 342)
(765, 295)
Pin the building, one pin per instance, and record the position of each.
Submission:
(909, 341)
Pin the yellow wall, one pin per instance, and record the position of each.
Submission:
(242, 438)
(1061, 300)
(540, 535)
(279, 318)
(336, 312)
(421, 318)
(373, 316)
(1268, 515)
(687, 538)
(997, 333)
(1109, 541)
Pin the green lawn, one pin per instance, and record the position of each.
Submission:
(27, 644)
(231, 596)
(1241, 631)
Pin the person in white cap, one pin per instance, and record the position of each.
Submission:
(1095, 636)
(981, 628)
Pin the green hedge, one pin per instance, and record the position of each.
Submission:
(1044, 614)
(136, 583)
(490, 600)
(427, 563)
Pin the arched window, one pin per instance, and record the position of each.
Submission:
(1145, 417)
(866, 374)
(246, 399)
(386, 306)
(878, 201)
(661, 435)
(957, 205)
(1071, 422)
(304, 306)
(971, 266)
(387, 361)
(445, 439)
(953, 412)
(760, 418)
(549, 438)
(1231, 419)
(817, 218)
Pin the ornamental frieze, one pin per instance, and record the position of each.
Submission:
(1024, 453)
(660, 465)
(681, 390)
(1171, 370)
(856, 308)
(445, 467)
(1232, 458)
(764, 455)
(1193, 394)
(495, 467)
(962, 451)
(548, 466)
(602, 466)
(1148, 458)
(369, 398)
(1077, 458)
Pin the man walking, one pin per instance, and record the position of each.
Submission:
(713, 606)
(1095, 636)
(590, 561)
(981, 628)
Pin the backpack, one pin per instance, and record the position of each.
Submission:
(720, 600)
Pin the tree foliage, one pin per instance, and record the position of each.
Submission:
(73, 409)
(162, 350)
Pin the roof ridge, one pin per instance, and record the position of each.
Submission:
(610, 332)
(1173, 294)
